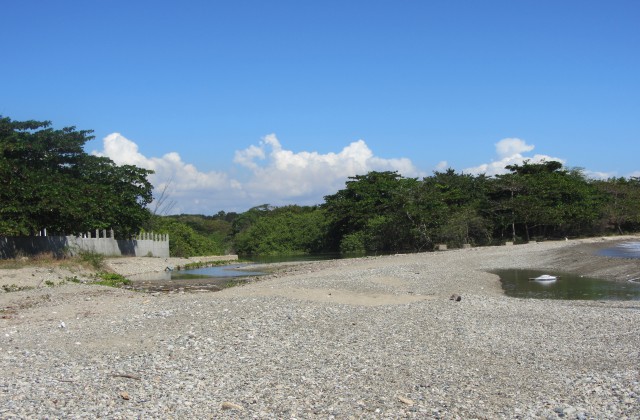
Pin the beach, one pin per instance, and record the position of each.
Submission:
(374, 337)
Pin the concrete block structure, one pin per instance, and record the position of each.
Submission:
(146, 244)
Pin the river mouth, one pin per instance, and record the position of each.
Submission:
(517, 283)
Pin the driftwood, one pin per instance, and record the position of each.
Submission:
(126, 375)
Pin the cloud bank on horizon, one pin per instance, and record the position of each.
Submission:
(268, 173)
(510, 151)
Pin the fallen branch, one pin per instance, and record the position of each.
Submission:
(126, 375)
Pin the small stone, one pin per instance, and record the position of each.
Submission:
(231, 406)
(125, 395)
(406, 401)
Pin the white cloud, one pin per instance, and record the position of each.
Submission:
(246, 157)
(272, 174)
(303, 173)
(183, 176)
(306, 177)
(511, 147)
(442, 166)
(510, 152)
(186, 184)
(598, 175)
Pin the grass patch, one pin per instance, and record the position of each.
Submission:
(14, 288)
(62, 282)
(50, 260)
(232, 283)
(12, 264)
(73, 279)
(112, 280)
(21, 261)
(93, 259)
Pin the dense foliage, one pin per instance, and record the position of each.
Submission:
(384, 212)
(286, 230)
(47, 181)
(191, 235)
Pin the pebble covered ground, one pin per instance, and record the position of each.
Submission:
(365, 338)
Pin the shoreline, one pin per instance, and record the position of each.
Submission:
(607, 268)
(370, 337)
(131, 266)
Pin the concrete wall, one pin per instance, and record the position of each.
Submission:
(142, 246)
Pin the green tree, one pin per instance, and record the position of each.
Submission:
(370, 210)
(195, 234)
(544, 199)
(47, 181)
(282, 230)
(620, 207)
(462, 208)
(185, 241)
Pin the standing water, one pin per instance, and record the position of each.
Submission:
(518, 283)
(622, 250)
(200, 279)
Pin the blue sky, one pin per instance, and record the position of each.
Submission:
(241, 103)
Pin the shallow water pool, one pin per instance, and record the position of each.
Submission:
(517, 283)
(201, 279)
(629, 249)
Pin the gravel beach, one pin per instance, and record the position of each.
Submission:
(375, 337)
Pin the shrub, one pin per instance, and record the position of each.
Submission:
(92, 258)
(353, 242)
(112, 280)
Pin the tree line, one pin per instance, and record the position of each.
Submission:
(47, 181)
(383, 212)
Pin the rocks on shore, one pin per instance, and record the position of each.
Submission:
(284, 348)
